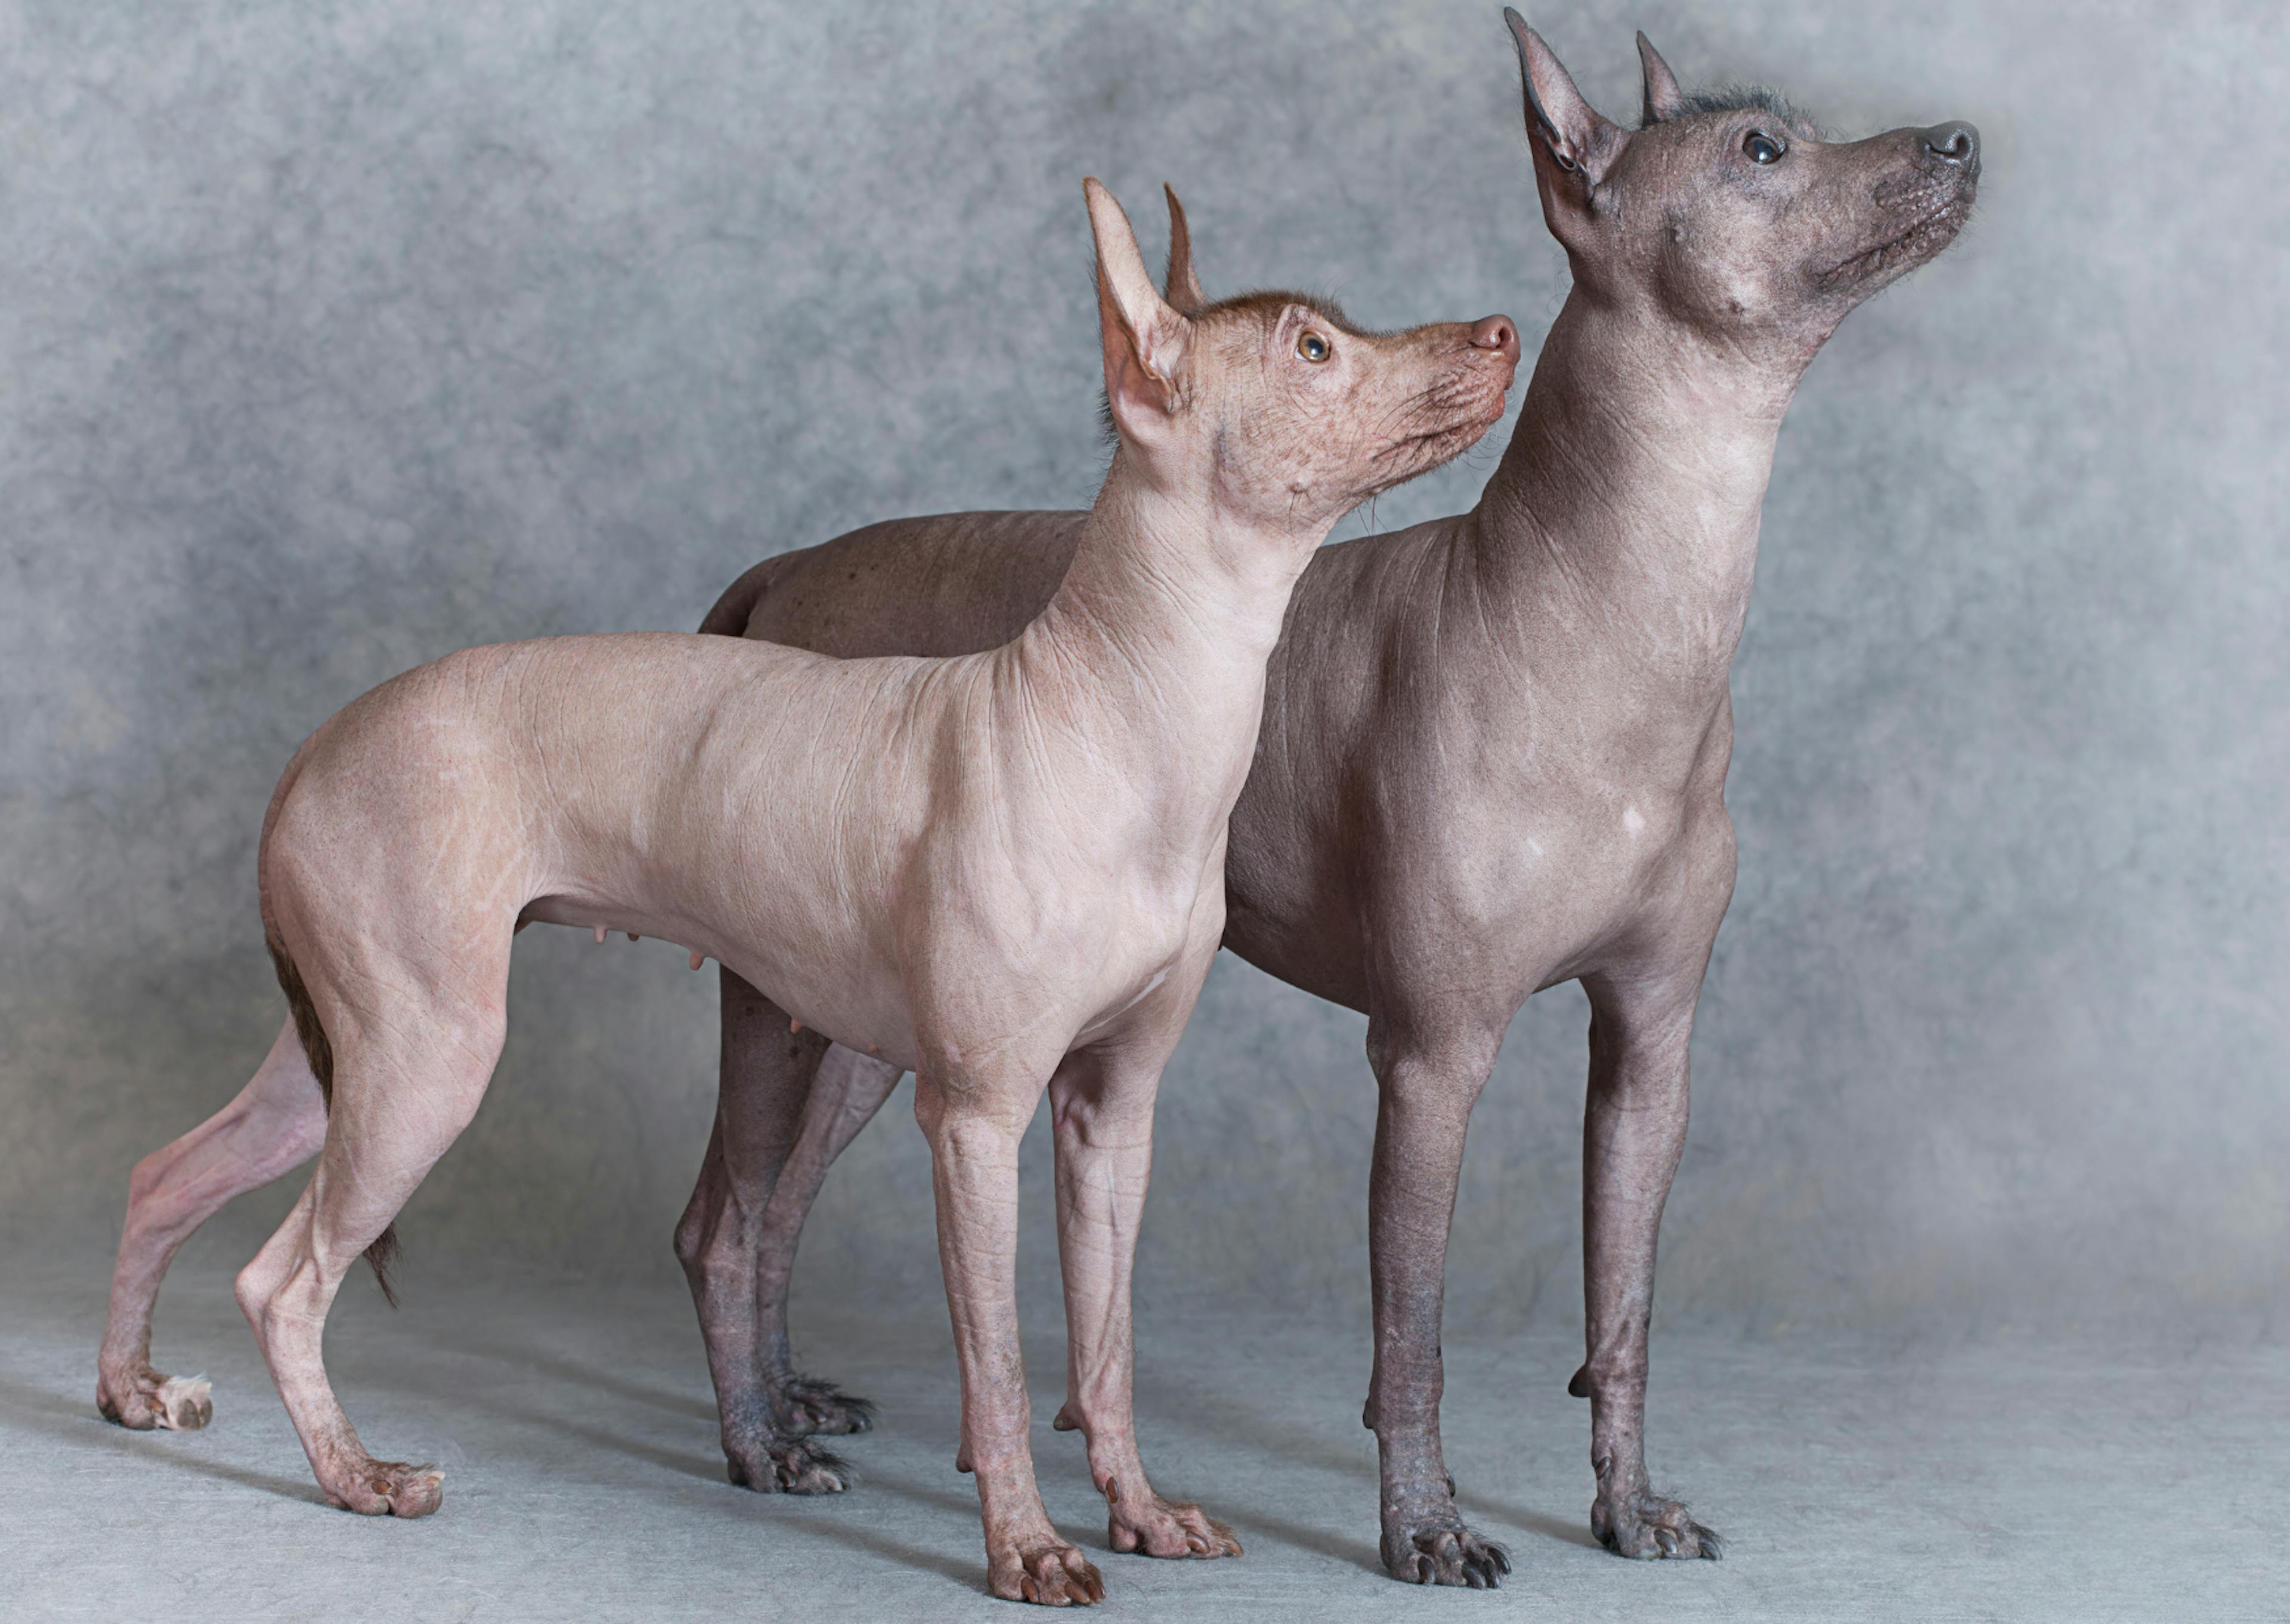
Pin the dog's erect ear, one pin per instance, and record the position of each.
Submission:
(1564, 128)
(1664, 99)
(1180, 287)
(1144, 339)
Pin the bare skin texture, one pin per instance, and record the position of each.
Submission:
(1002, 871)
(1493, 759)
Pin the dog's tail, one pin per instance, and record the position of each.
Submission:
(315, 1048)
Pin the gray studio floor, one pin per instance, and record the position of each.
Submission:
(583, 1482)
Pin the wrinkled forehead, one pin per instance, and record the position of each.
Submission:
(1262, 309)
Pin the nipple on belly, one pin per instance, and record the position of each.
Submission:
(698, 958)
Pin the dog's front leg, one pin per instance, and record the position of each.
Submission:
(1102, 1110)
(974, 1125)
(1633, 1132)
(767, 1081)
(846, 1092)
(1429, 1070)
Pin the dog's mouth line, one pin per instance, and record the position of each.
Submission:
(1416, 447)
(1869, 258)
(1418, 453)
(1461, 426)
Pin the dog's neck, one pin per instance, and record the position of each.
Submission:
(1636, 479)
(1157, 640)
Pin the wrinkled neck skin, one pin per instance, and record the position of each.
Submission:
(1163, 625)
(1635, 477)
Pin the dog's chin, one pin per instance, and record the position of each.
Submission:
(1889, 259)
(1419, 455)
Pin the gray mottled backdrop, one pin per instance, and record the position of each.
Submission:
(333, 337)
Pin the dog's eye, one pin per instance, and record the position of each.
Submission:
(1313, 347)
(1762, 148)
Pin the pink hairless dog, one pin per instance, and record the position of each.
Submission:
(1003, 871)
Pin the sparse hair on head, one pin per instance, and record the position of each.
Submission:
(1280, 298)
(1745, 99)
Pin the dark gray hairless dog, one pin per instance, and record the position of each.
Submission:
(1493, 759)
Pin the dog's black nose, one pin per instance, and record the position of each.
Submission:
(1954, 142)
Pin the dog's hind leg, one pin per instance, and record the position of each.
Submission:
(274, 1125)
(404, 1086)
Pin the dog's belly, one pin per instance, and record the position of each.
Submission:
(825, 978)
(850, 997)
